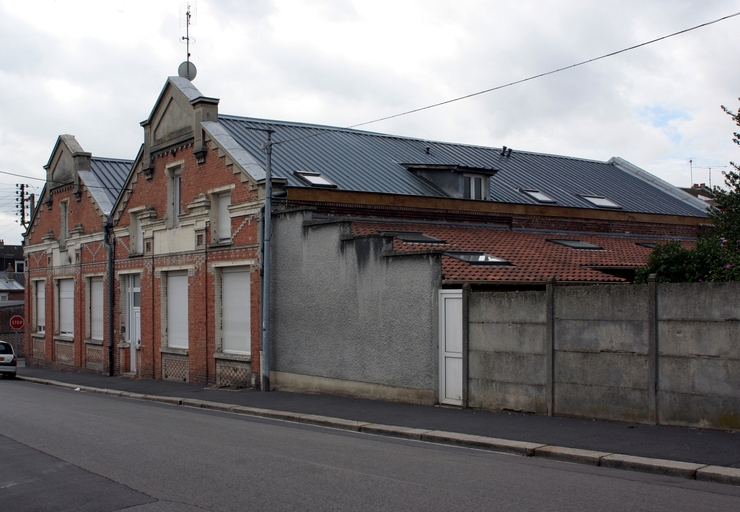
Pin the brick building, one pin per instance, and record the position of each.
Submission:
(373, 234)
(66, 259)
(187, 246)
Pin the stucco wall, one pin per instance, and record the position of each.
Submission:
(600, 352)
(341, 310)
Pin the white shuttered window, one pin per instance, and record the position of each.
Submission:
(235, 311)
(66, 307)
(40, 306)
(177, 310)
(96, 308)
(223, 223)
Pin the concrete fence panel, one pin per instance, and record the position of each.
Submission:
(667, 353)
(507, 351)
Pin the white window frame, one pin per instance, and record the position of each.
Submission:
(174, 193)
(63, 221)
(130, 291)
(136, 234)
(66, 307)
(601, 202)
(538, 196)
(40, 303)
(96, 309)
(223, 218)
(469, 191)
(234, 318)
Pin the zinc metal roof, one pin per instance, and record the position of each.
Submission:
(111, 173)
(357, 160)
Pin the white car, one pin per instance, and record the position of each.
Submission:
(8, 361)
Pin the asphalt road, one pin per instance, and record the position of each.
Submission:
(75, 451)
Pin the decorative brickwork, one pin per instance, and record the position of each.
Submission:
(233, 374)
(175, 368)
(94, 356)
(65, 352)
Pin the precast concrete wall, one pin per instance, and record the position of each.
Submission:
(350, 317)
(507, 351)
(600, 359)
(699, 354)
(656, 353)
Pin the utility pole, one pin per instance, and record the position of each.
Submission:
(266, 237)
(21, 202)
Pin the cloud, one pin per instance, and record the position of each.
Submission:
(94, 69)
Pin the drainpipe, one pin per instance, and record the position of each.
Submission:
(265, 281)
(108, 241)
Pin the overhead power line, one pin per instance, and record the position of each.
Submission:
(582, 63)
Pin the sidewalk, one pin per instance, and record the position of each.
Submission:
(607, 442)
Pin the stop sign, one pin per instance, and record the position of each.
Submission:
(16, 322)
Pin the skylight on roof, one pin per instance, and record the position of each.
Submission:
(649, 245)
(538, 196)
(575, 244)
(601, 202)
(315, 179)
(414, 237)
(478, 258)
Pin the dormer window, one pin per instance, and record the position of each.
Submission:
(458, 181)
(474, 186)
(315, 179)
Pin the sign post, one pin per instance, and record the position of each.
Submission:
(17, 323)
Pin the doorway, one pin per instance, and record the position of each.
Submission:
(450, 347)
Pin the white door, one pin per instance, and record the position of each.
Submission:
(450, 347)
(133, 330)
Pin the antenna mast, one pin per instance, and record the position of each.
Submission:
(188, 16)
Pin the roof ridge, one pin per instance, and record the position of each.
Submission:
(331, 128)
(111, 159)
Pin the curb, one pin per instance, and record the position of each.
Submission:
(689, 470)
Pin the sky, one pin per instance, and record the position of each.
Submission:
(94, 69)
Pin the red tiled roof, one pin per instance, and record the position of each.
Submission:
(533, 258)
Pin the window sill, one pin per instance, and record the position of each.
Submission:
(94, 342)
(171, 350)
(216, 245)
(135, 254)
(245, 358)
(68, 339)
(38, 335)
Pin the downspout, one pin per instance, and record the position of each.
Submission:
(108, 241)
(261, 253)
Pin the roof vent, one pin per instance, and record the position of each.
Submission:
(428, 150)
(503, 151)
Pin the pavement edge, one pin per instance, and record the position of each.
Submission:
(689, 470)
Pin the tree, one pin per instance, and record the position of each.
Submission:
(716, 255)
